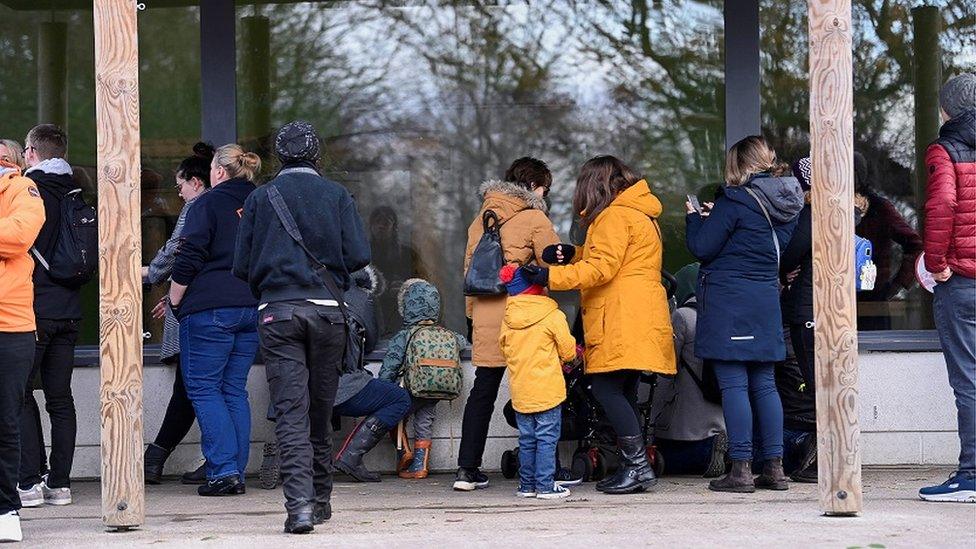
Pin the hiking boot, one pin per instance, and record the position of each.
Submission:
(739, 479)
(635, 473)
(10, 527)
(270, 472)
(300, 521)
(153, 462)
(321, 513)
(468, 480)
(230, 485)
(716, 464)
(31, 497)
(421, 456)
(773, 477)
(55, 496)
(362, 439)
(959, 488)
(196, 476)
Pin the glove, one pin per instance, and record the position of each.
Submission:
(549, 254)
(536, 275)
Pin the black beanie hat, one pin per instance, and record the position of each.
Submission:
(297, 142)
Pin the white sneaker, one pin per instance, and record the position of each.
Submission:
(10, 527)
(31, 497)
(558, 492)
(55, 496)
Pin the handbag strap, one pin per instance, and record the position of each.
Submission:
(768, 220)
(291, 227)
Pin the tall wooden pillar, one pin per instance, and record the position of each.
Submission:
(834, 301)
(120, 288)
(52, 74)
(927, 77)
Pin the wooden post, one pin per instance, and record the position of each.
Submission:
(120, 285)
(834, 301)
(52, 74)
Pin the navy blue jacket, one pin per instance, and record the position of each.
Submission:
(739, 315)
(274, 265)
(206, 252)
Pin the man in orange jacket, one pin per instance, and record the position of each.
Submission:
(21, 217)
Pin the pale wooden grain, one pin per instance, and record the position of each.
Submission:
(834, 299)
(120, 285)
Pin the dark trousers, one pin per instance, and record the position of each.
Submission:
(303, 345)
(386, 400)
(179, 416)
(801, 335)
(477, 416)
(54, 360)
(16, 361)
(955, 318)
(617, 394)
(750, 388)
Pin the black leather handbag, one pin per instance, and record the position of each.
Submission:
(487, 259)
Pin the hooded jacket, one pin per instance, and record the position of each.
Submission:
(950, 209)
(361, 303)
(419, 303)
(535, 340)
(21, 218)
(525, 232)
(739, 316)
(626, 319)
(52, 301)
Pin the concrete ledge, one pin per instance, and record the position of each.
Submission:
(908, 417)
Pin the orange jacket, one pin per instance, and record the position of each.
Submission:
(21, 217)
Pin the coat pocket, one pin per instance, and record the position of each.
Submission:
(593, 320)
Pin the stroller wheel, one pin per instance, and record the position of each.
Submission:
(599, 462)
(582, 466)
(510, 464)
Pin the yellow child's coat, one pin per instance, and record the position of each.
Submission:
(535, 341)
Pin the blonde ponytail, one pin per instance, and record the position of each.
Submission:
(238, 163)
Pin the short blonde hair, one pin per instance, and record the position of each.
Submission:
(748, 157)
(14, 154)
(236, 162)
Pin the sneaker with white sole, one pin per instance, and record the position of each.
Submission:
(55, 496)
(566, 478)
(468, 480)
(10, 527)
(31, 497)
(525, 493)
(558, 492)
(959, 488)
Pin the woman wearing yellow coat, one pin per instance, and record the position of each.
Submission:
(626, 322)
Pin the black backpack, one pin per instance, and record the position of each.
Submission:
(74, 259)
(487, 259)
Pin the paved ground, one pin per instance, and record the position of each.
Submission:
(396, 513)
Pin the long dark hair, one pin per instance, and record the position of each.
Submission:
(197, 165)
(600, 180)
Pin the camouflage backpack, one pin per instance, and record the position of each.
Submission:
(433, 364)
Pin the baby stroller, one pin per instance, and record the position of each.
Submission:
(584, 422)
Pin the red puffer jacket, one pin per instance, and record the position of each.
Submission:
(950, 209)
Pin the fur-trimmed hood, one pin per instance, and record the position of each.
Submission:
(507, 198)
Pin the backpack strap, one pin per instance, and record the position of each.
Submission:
(768, 220)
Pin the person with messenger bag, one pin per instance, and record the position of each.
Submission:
(300, 237)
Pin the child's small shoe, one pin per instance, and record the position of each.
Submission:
(525, 493)
(421, 456)
(557, 492)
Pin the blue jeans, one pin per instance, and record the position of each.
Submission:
(748, 387)
(954, 308)
(387, 401)
(217, 350)
(538, 436)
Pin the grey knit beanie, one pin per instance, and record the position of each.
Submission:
(958, 94)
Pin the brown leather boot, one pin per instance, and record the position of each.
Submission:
(739, 479)
(773, 477)
(421, 458)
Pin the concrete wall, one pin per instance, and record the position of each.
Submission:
(907, 417)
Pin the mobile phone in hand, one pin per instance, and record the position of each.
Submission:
(695, 204)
